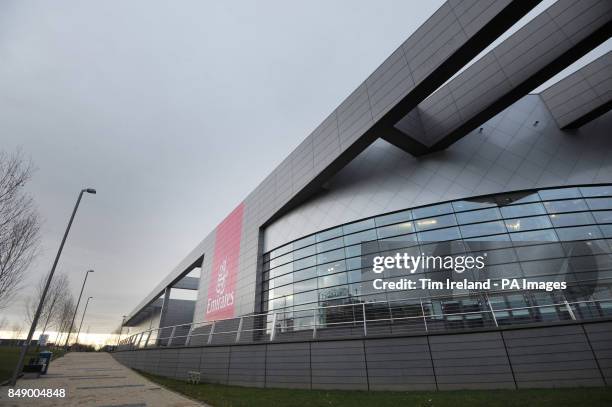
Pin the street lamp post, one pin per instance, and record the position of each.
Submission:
(82, 318)
(76, 308)
(26, 344)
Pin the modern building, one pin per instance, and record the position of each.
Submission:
(444, 149)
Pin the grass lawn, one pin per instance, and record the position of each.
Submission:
(233, 396)
(9, 356)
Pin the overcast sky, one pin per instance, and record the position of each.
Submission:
(174, 111)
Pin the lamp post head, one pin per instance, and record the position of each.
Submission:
(90, 190)
(90, 271)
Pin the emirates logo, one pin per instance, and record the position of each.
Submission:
(221, 278)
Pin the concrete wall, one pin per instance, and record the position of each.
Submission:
(546, 356)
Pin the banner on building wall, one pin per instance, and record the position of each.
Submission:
(222, 282)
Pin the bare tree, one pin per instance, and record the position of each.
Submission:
(3, 323)
(19, 224)
(59, 291)
(65, 317)
(17, 329)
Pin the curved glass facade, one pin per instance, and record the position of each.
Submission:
(562, 234)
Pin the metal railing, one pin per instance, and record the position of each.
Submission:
(363, 319)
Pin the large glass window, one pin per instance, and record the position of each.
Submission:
(559, 234)
(433, 210)
(329, 234)
(330, 256)
(330, 245)
(304, 274)
(482, 229)
(561, 193)
(600, 203)
(603, 216)
(360, 237)
(535, 236)
(604, 190)
(395, 230)
(478, 216)
(531, 223)
(305, 298)
(572, 219)
(435, 223)
(397, 217)
(570, 205)
(304, 252)
(579, 233)
(516, 211)
(305, 285)
(440, 235)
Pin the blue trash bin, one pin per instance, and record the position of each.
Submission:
(45, 357)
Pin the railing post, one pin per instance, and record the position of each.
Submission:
(365, 325)
(491, 309)
(239, 330)
(423, 313)
(211, 333)
(171, 335)
(138, 339)
(273, 333)
(569, 308)
(315, 315)
(188, 339)
(146, 344)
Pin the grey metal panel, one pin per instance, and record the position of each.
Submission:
(338, 365)
(544, 46)
(150, 364)
(188, 283)
(188, 360)
(552, 357)
(573, 100)
(140, 360)
(558, 356)
(168, 359)
(600, 339)
(288, 365)
(248, 366)
(399, 364)
(478, 361)
(214, 364)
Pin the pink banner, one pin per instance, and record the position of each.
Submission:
(222, 283)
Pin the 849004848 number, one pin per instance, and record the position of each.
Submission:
(36, 393)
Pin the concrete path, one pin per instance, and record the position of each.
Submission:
(94, 379)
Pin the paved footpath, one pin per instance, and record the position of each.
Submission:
(95, 379)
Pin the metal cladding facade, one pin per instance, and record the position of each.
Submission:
(423, 142)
